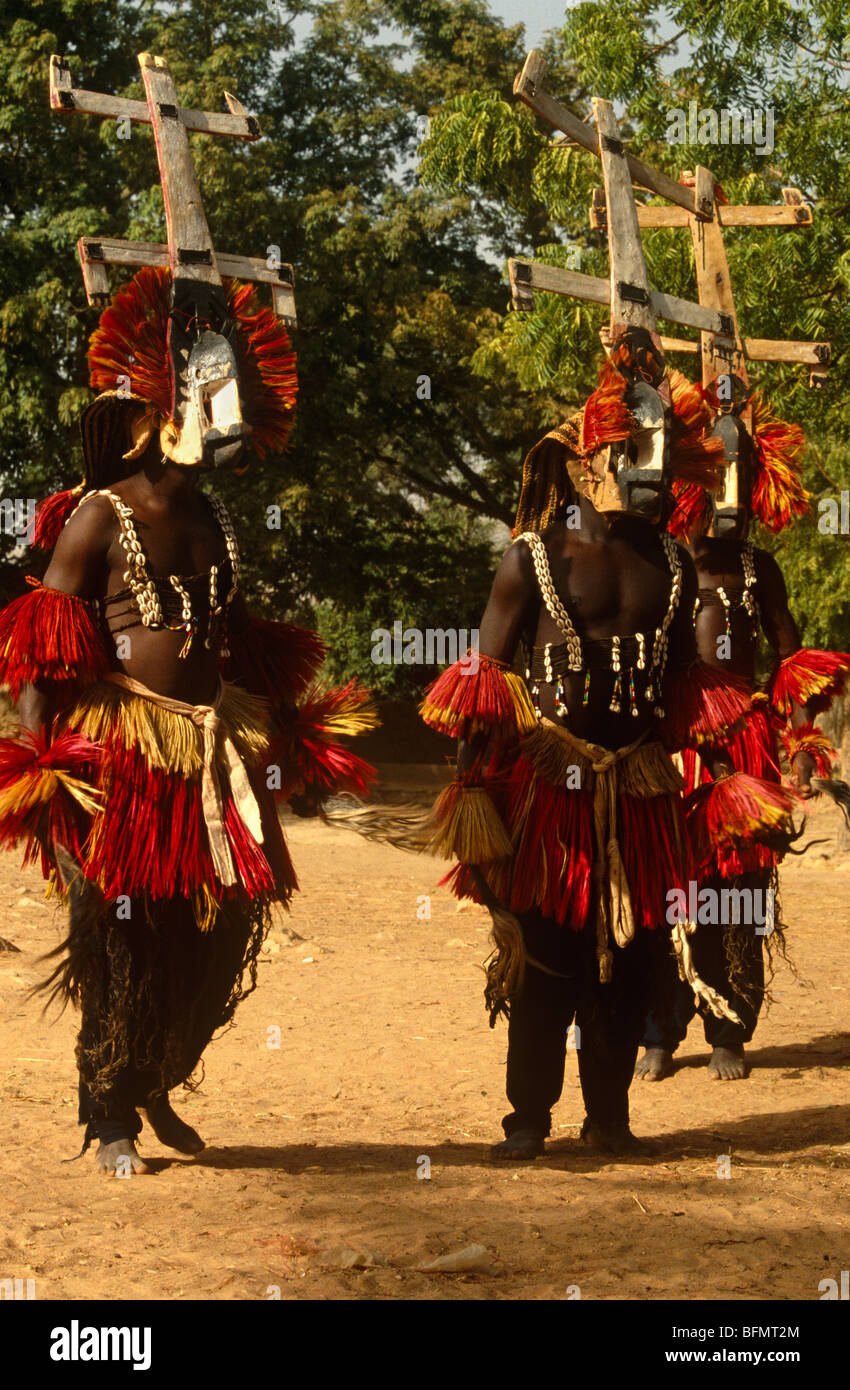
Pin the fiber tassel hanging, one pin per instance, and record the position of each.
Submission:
(505, 967)
(687, 972)
(466, 826)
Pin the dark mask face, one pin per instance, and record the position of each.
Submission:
(634, 477)
(730, 508)
(207, 429)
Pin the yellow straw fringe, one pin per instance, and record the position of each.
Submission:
(648, 771)
(169, 742)
(356, 716)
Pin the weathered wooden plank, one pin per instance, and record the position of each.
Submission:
(770, 350)
(97, 252)
(630, 295)
(64, 97)
(527, 276)
(679, 345)
(192, 253)
(724, 354)
(528, 86)
(814, 354)
(704, 191)
(668, 306)
(95, 278)
(283, 302)
(729, 214)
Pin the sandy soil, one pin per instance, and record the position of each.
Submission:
(385, 1057)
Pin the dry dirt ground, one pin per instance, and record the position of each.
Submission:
(384, 1059)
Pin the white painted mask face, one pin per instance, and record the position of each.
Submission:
(211, 429)
(730, 513)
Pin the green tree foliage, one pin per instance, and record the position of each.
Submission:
(532, 198)
(394, 295)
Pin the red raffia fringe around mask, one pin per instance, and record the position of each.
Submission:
(778, 492)
(703, 705)
(277, 660)
(48, 635)
(691, 512)
(131, 340)
(809, 677)
(606, 418)
(464, 700)
(696, 457)
(808, 739)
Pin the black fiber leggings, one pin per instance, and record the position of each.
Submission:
(609, 1021)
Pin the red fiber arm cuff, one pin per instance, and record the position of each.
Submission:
(48, 635)
(277, 660)
(478, 694)
(811, 678)
(703, 705)
(737, 810)
(43, 798)
(808, 739)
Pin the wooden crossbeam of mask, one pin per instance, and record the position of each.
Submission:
(793, 212)
(632, 301)
(67, 99)
(528, 276)
(189, 253)
(715, 291)
(96, 253)
(528, 86)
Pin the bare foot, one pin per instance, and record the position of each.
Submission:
(522, 1144)
(727, 1064)
(120, 1159)
(614, 1141)
(169, 1128)
(654, 1065)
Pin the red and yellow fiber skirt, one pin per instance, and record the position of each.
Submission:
(149, 834)
(580, 821)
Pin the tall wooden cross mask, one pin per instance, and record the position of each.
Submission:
(632, 300)
(189, 253)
